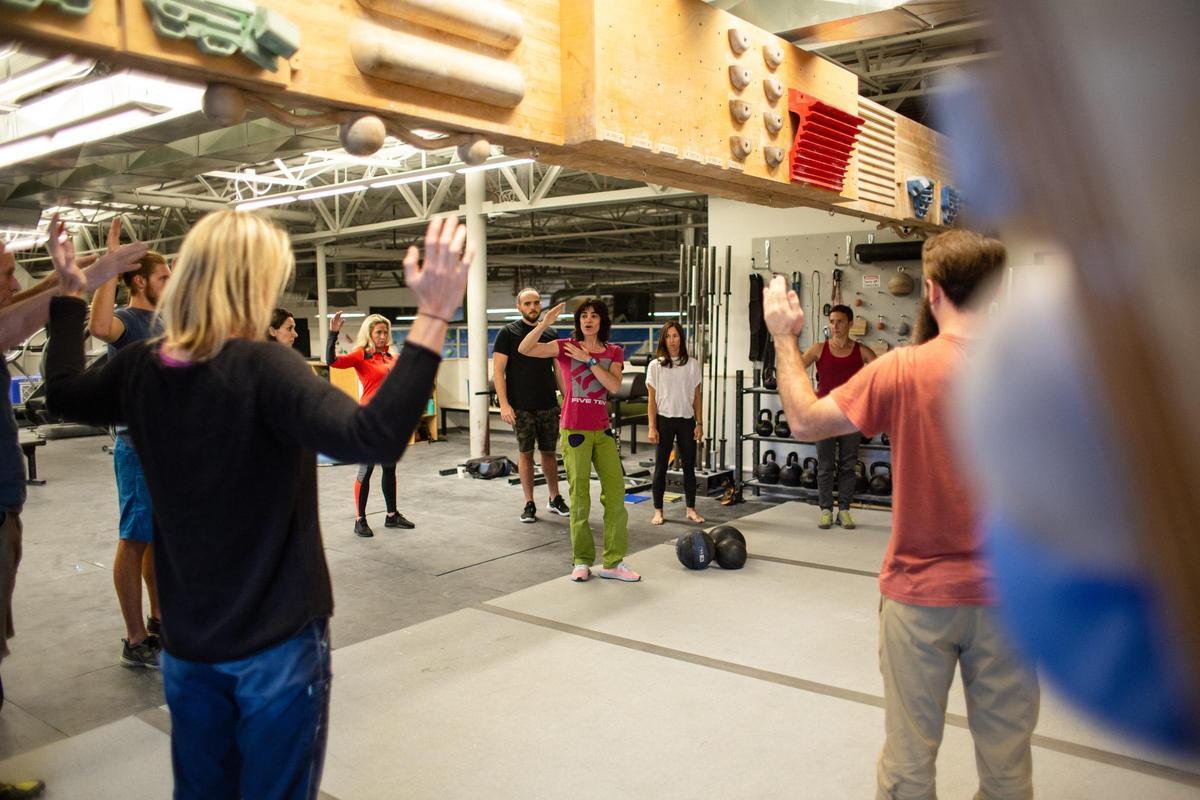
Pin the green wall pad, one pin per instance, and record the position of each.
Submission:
(76, 8)
(225, 27)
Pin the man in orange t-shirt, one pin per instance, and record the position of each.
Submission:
(935, 613)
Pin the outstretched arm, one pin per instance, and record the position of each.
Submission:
(532, 345)
(19, 320)
(103, 324)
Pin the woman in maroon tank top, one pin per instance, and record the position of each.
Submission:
(837, 358)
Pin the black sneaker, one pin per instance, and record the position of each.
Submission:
(397, 520)
(362, 528)
(153, 626)
(559, 506)
(530, 512)
(140, 655)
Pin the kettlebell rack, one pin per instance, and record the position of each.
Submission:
(744, 432)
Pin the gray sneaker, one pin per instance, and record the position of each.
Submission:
(142, 655)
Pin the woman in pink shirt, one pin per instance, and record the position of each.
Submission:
(591, 369)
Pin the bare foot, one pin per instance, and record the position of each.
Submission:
(658, 517)
(694, 516)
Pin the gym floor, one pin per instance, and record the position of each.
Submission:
(466, 664)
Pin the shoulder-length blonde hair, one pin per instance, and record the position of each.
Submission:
(363, 339)
(228, 277)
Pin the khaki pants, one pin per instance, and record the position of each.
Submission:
(10, 557)
(919, 648)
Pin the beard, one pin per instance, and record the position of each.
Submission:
(533, 317)
(152, 296)
(927, 326)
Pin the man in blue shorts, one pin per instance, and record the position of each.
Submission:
(134, 561)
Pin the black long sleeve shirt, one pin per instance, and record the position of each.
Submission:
(227, 446)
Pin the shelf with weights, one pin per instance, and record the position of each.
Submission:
(744, 433)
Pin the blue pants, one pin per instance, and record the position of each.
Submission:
(254, 727)
(137, 519)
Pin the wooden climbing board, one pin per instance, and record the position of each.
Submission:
(632, 88)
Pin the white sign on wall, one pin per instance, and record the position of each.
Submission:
(870, 281)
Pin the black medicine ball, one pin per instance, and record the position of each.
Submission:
(724, 531)
(695, 550)
(731, 553)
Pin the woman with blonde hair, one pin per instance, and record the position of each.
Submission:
(372, 360)
(212, 409)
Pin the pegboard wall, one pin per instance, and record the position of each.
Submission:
(822, 254)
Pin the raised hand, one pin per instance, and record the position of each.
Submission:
(71, 279)
(115, 262)
(781, 309)
(335, 324)
(551, 316)
(114, 234)
(440, 281)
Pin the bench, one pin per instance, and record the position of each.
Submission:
(29, 445)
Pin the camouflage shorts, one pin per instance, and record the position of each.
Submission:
(537, 427)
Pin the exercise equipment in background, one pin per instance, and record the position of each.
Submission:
(768, 470)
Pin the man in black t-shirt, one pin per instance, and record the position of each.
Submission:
(526, 388)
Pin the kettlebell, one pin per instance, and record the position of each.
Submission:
(881, 481)
(781, 427)
(885, 440)
(790, 474)
(768, 470)
(808, 477)
(860, 478)
(764, 427)
(768, 379)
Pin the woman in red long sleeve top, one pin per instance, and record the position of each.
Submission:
(372, 360)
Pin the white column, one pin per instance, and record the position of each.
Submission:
(322, 303)
(477, 339)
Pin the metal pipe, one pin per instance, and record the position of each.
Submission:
(714, 320)
(477, 341)
(725, 354)
(322, 304)
(169, 201)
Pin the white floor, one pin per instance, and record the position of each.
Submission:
(759, 683)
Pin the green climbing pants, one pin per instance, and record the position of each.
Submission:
(581, 450)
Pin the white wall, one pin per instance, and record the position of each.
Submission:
(735, 224)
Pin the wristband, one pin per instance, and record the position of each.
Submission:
(433, 316)
(591, 362)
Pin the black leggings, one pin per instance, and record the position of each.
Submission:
(671, 430)
(362, 487)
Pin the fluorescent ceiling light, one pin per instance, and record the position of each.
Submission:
(501, 310)
(25, 244)
(665, 314)
(265, 202)
(250, 176)
(90, 112)
(403, 179)
(44, 76)
(345, 315)
(405, 319)
(512, 162)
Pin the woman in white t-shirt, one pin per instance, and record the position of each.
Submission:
(673, 381)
